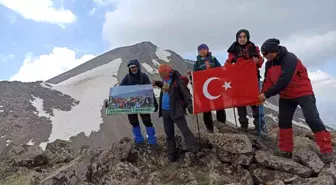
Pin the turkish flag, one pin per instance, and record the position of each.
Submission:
(232, 85)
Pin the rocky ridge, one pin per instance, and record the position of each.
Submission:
(228, 156)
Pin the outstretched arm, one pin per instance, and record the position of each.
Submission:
(287, 73)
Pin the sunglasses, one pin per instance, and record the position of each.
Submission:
(264, 54)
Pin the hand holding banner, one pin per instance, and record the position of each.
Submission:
(131, 99)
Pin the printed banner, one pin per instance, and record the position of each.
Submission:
(131, 99)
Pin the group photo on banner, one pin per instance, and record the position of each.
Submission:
(130, 99)
(236, 84)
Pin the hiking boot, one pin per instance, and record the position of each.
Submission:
(210, 131)
(281, 153)
(139, 145)
(244, 127)
(327, 157)
(151, 135)
(172, 158)
(138, 137)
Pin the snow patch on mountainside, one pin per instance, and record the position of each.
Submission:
(148, 68)
(156, 62)
(1, 108)
(45, 85)
(30, 143)
(38, 104)
(230, 116)
(275, 119)
(271, 106)
(90, 88)
(162, 54)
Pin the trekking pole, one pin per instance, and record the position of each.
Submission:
(198, 128)
(260, 113)
(235, 117)
(197, 122)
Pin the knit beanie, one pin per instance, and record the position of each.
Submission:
(202, 46)
(165, 68)
(247, 33)
(270, 46)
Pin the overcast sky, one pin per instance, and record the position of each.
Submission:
(53, 36)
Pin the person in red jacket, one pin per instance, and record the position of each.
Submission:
(286, 75)
(243, 50)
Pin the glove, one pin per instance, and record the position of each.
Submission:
(156, 108)
(105, 103)
(190, 109)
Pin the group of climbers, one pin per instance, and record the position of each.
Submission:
(285, 75)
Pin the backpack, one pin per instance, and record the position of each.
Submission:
(211, 60)
(185, 81)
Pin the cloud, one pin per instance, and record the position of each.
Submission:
(324, 85)
(47, 66)
(182, 25)
(40, 10)
(104, 2)
(6, 58)
(312, 49)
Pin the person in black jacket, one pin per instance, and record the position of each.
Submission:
(136, 77)
(173, 91)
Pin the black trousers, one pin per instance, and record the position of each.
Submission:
(242, 114)
(287, 108)
(146, 120)
(181, 123)
(207, 118)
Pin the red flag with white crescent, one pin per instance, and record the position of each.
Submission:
(232, 85)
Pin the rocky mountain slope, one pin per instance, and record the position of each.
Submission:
(56, 132)
(227, 157)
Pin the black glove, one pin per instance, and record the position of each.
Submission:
(105, 103)
(190, 109)
(156, 106)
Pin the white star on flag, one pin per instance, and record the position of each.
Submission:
(227, 85)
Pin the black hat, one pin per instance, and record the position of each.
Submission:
(247, 33)
(270, 46)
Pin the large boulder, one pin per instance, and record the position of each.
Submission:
(310, 159)
(122, 173)
(105, 161)
(321, 180)
(24, 155)
(73, 173)
(264, 176)
(269, 160)
(20, 177)
(59, 151)
(227, 157)
(233, 143)
(329, 170)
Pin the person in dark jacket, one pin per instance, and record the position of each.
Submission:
(136, 77)
(243, 50)
(172, 111)
(205, 61)
(286, 75)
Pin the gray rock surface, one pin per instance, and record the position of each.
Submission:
(310, 159)
(282, 164)
(123, 163)
(233, 143)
